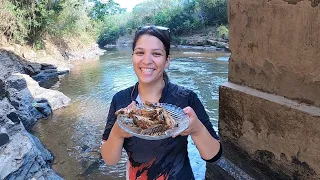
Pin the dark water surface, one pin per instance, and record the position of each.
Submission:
(73, 134)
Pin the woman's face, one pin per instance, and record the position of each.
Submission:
(149, 59)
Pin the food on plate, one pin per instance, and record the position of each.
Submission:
(153, 119)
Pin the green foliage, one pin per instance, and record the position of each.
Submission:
(8, 24)
(162, 18)
(113, 27)
(32, 19)
(213, 11)
(183, 19)
(222, 32)
(72, 20)
(26, 21)
(101, 10)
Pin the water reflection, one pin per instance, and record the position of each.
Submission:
(73, 133)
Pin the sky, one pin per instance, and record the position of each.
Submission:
(129, 4)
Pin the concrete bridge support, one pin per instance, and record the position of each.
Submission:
(269, 116)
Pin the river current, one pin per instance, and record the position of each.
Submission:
(73, 134)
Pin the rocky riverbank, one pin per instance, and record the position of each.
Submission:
(204, 39)
(23, 102)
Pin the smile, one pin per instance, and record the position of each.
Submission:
(147, 71)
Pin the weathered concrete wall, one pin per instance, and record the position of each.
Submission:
(277, 135)
(269, 114)
(275, 47)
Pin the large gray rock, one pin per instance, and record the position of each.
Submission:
(55, 98)
(32, 68)
(31, 101)
(22, 156)
(8, 120)
(10, 63)
(49, 73)
(42, 106)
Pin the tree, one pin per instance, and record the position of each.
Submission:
(213, 11)
(32, 18)
(100, 9)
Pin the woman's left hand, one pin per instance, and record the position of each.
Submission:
(195, 125)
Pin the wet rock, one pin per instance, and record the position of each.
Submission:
(22, 102)
(47, 75)
(55, 99)
(16, 82)
(35, 66)
(62, 72)
(27, 118)
(15, 103)
(42, 106)
(2, 89)
(13, 116)
(47, 66)
(23, 99)
(10, 64)
(29, 70)
(4, 139)
(24, 157)
(5, 108)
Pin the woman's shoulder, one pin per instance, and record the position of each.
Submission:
(180, 90)
(124, 93)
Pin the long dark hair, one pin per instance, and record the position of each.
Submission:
(162, 33)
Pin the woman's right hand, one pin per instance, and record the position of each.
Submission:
(116, 129)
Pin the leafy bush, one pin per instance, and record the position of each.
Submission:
(222, 32)
(8, 24)
(213, 11)
(30, 21)
(113, 27)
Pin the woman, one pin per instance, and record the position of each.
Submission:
(167, 158)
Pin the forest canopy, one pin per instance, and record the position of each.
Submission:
(29, 21)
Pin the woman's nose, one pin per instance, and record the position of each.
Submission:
(147, 58)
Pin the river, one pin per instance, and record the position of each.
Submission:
(73, 134)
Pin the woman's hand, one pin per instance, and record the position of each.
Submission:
(195, 125)
(117, 132)
(116, 129)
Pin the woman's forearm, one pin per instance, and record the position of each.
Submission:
(111, 150)
(206, 144)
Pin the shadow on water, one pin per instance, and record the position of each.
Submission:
(74, 133)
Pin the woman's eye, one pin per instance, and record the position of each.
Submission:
(139, 53)
(157, 54)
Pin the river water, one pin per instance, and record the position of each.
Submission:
(73, 134)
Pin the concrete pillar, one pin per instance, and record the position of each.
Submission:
(269, 116)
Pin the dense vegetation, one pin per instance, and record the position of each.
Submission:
(30, 21)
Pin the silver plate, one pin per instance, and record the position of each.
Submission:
(181, 123)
